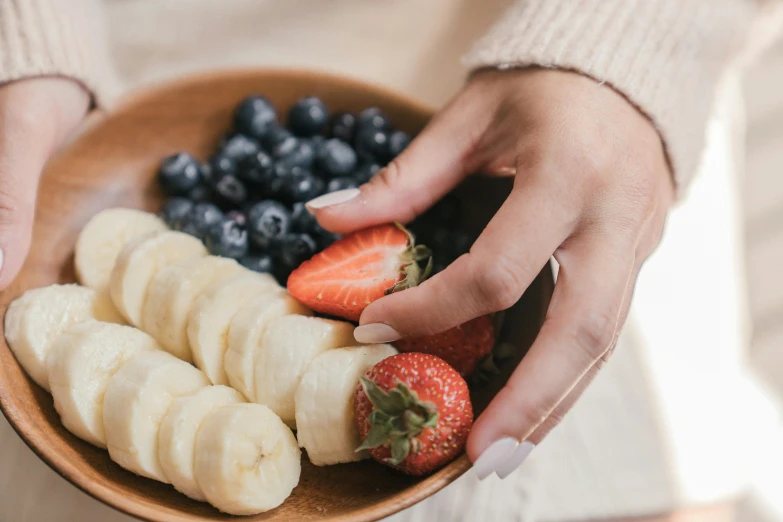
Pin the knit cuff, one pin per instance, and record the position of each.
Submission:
(666, 56)
(48, 38)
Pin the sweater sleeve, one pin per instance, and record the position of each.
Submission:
(56, 38)
(665, 56)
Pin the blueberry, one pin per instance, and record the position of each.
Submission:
(199, 194)
(308, 116)
(317, 141)
(254, 116)
(292, 250)
(257, 169)
(372, 144)
(238, 216)
(226, 238)
(301, 186)
(398, 140)
(179, 173)
(341, 183)
(448, 244)
(278, 138)
(446, 211)
(343, 126)
(259, 263)
(281, 173)
(323, 237)
(301, 219)
(267, 221)
(373, 118)
(230, 192)
(365, 171)
(174, 210)
(239, 147)
(200, 218)
(302, 155)
(219, 166)
(336, 158)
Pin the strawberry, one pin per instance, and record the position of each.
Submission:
(413, 412)
(358, 269)
(463, 347)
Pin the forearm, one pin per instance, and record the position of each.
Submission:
(56, 38)
(665, 56)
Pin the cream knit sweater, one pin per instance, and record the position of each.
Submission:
(665, 56)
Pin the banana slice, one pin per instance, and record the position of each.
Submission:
(171, 296)
(136, 400)
(324, 403)
(247, 460)
(287, 346)
(102, 239)
(140, 260)
(82, 361)
(177, 436)
(35, 319)
(211, 315)
(244, 336)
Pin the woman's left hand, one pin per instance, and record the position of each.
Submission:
(592, 187)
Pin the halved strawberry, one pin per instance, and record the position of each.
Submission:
(359, 269)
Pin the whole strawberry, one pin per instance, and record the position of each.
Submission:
(413, 412)
(358, 269)
(463, 347)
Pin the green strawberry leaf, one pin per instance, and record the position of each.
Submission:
(377, 436)
(400, 449)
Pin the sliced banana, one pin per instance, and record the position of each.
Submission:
(244, 336)
(136, 400)
(324, 403)
(287, 346)
(140, 260)
(247, 460)
(177, 436)
(211, 315)
(36, 318)
(82, 361)
(102, 239)
(171, 296)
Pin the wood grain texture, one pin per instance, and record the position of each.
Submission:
(113, 163)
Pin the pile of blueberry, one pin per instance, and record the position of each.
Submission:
(247, 201)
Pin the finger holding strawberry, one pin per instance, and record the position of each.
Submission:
(413, 412)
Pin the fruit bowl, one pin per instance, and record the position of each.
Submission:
(113, 163)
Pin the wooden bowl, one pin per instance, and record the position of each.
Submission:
(113, 163)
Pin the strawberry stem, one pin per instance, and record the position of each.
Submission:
(410, 259)
(397, 419)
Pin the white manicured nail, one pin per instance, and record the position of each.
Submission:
(492, 457)
(2, 259)
(510, 464)
(333, 198)
(375, 333)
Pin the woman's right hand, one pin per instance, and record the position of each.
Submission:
(36, 116)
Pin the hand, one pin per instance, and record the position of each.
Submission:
(591, 187)
(36, 116)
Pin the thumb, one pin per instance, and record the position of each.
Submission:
(434, 163)
(32, 126)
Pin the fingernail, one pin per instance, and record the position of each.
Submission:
(375, 333)
(333, 198)
(494, 456)
(520, 454)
